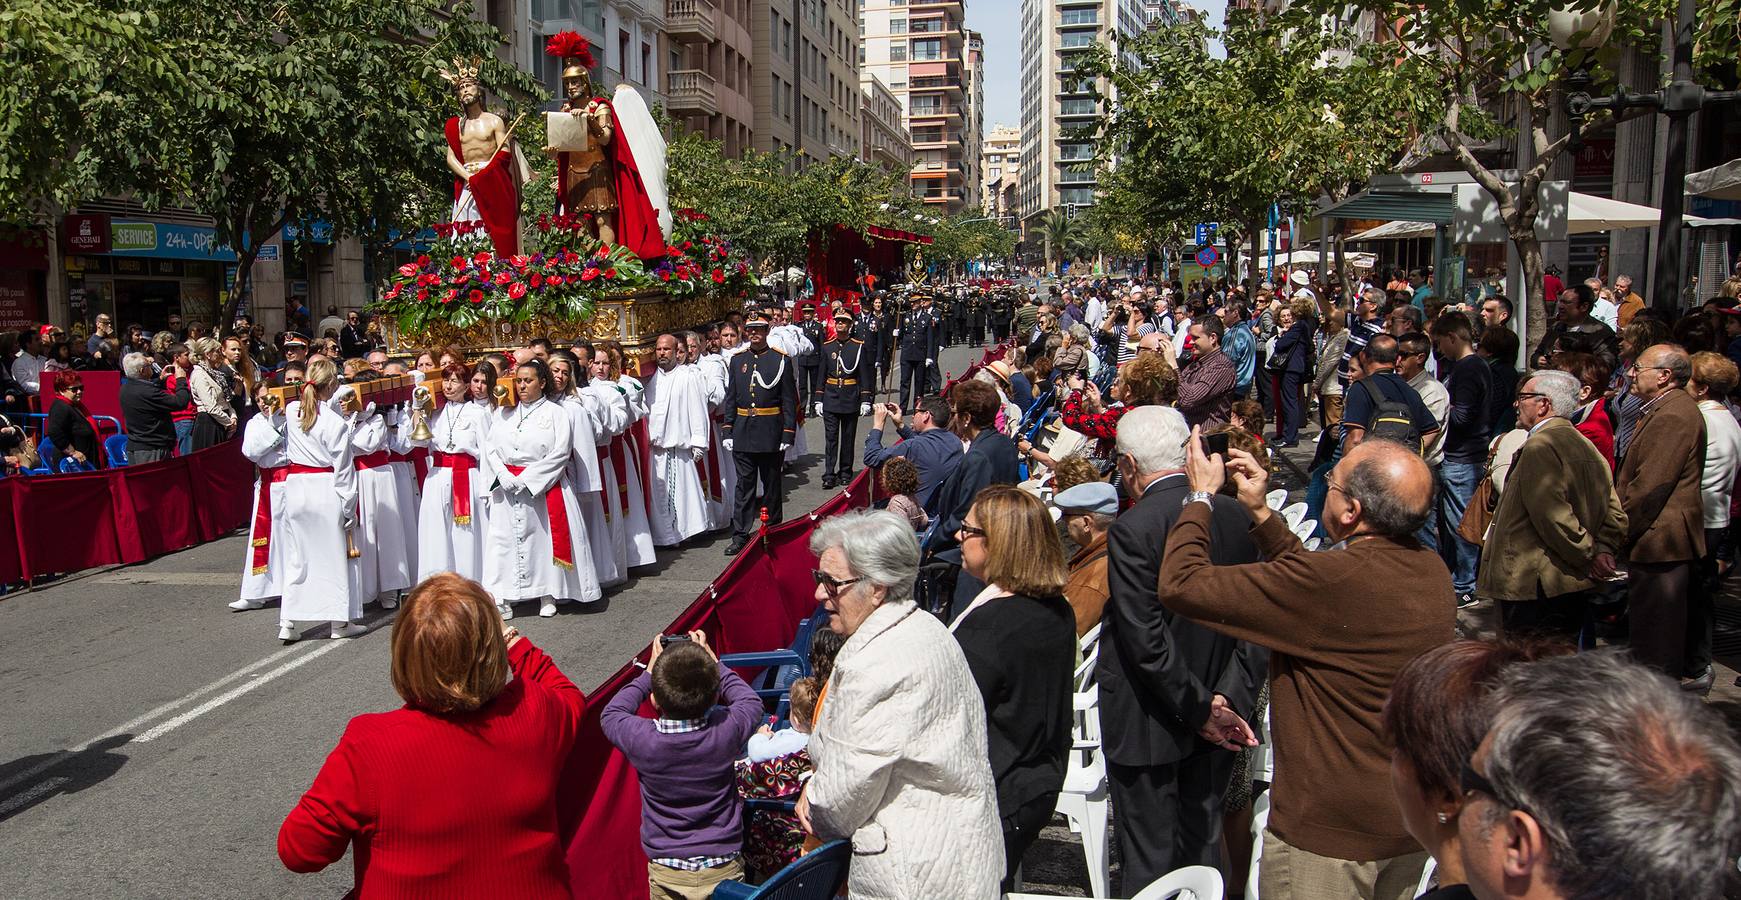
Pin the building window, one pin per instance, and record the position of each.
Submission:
(646, 64)
(1076, 108)
(897, 53)
(924, 51)
(898, 26)
(1075, 152)
(1088, 16)
(623, 53)
(1080, 196)
(1075, 39)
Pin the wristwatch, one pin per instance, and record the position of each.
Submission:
(1195, 496)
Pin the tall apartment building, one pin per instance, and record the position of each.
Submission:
(1000, 165)
(1060, 108)
(919, 49)
(974, 138)
(708, 76)
(883, 135)
(805, 77)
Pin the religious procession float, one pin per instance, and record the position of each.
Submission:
(610, 262)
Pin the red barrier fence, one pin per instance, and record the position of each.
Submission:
(755, 604)
(64, 523)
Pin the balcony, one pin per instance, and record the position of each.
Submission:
(691, 21)
(693, 92)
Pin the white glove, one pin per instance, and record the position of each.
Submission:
(511, 483)
(348, 517)
(785, 447)
(817, 407)
(726, 443)
(696, 453)
(929, 362)
(864, 409)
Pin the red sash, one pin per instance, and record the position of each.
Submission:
(462, 465)
(643, 448)
(709, 472)
(420, 463)
(561, 544)
(620, 464)
(376, 460)
(263, 515)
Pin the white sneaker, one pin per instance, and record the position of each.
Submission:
(548, 609)
(288, 633)
(506, 611)
(240, 605)
(348, 630)
(391, 601)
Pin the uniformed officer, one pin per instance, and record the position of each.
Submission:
(873, 328)
(809, 364)
(918, 337)
(959, 312)
(759, 420)
(976, 317)
(843, 396)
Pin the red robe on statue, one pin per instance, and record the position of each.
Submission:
(496, 192)
(637, 220)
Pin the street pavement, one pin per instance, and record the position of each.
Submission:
(153, 740)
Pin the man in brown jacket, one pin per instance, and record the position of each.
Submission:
(1339, 625)
(1087, 511)
(1659, 489)
(1558, 523)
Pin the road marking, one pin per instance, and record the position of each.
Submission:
(163, 728)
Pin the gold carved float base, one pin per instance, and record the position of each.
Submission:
(633, 320)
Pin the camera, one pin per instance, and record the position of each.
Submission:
(666, 640)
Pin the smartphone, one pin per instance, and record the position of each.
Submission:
(1215, 443)
(666, 640)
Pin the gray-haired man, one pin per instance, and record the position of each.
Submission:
(146, 408)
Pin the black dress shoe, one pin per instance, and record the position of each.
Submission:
(738, 542)
(827, 481)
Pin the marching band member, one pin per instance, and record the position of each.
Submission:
(263, 563)
(612, 408)
(637, 455)
(455, 506)
(535, 546)
(583, 465)
(842, 395)
(320, 581)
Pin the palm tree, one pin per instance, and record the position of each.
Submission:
(1063, 235)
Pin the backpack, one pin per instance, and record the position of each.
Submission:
(1391, 420)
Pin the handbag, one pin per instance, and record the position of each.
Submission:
(1478, 515)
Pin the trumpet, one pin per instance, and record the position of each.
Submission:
(422, 407)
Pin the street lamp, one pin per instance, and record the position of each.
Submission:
(1584, 30)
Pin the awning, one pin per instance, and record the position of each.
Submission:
(1718, 182)
(1395, 231)
(1587, 214)
(1422, 204)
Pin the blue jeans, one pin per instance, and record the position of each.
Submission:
(1429, 533)
(183, 437)
(1457, 484)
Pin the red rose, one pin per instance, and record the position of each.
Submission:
(481, 257)
(665, 276)
(503, 278)
(718, 277)
(611, 272)
(461, 278)
(569, 256)
(408, 270)
(423, 293)
(477, 296)
(457, 262)
(537, 279)
(589, 275)
(553, 281)
(423, 260)
(516, 290)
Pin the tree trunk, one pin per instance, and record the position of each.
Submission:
(1529, 250)
(226, 323)
(1253, 279)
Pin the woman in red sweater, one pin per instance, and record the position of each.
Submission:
(1591, 418)
(453, 795)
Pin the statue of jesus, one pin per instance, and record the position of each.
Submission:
(481, 155)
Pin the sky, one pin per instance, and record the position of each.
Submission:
(1000, 21)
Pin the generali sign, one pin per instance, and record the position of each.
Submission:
(87, 233)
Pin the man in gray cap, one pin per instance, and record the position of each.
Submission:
(1087, 511)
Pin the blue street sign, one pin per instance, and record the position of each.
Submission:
(1206, 256)
(1206, 232)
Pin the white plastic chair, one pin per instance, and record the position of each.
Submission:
(1294, 513)
(1083, 801)
(1427, 873)
(1189, 883)
(1303, 530)
(1089, 639)
(1312, 543)
(1276, 498)
(1263, 768)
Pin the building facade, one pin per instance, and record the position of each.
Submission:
(973, 142)
(883, 138)
(1060, 109)
(919, 49)
(805, 77)
(708, 78)
(1000, 165)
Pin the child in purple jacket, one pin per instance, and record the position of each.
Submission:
(692, 817)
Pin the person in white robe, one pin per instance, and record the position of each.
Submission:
(790, 340)
(611, 408)
(455, 506)
(536, 545)
(721, 470)
(677, 423)
(380, 533)
(405, 489)
(321, 582)
(583, 464)
(263, 557)
(641, 551)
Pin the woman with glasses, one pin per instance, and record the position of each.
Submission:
(69, 426)
(901, 767)
(1019, 637)
(1436, 716)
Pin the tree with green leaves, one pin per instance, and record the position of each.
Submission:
(1063, 237)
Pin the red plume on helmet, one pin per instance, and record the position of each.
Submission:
(571, 44)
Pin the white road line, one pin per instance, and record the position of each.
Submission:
(19, 801)
(165, 727)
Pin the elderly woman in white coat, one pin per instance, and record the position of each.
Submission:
(536, 543)
(899, 747)
(452, 514)
(321, 581)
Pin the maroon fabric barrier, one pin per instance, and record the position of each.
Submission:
(75, 521)
(755, 604)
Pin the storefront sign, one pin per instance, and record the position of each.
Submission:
(268, 253)
(87, 233)
(18, 306)
(164, 240)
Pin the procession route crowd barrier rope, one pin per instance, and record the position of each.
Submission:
(755, 604)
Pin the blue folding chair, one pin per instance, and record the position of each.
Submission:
(115, 447)
(44, 451)
(817, 876)
(779, 667)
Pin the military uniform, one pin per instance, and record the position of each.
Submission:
(760, 417)
(844, 393)
(810, 364)
(976, 318)
(873, 328)
(918, 338)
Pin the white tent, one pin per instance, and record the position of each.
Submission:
(1587, 214)
(1718, 182)
(1395, 231)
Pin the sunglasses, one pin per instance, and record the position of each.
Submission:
(831, 584)
(968, 531)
